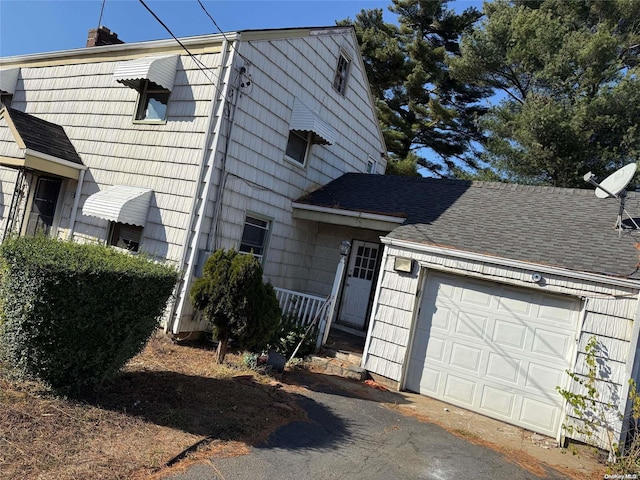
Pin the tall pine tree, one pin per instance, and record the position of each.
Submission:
(428, 118)
(566, 75)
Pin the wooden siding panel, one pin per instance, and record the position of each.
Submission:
(96, 112)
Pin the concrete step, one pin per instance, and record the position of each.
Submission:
(336, 366)
(343, 356)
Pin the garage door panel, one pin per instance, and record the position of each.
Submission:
(441, 319)
(476, 294)
(436, 350)
(498, 401)
(553, 345)
(516, 301)
(554, 310)
(465, 357)
(471, 325)
(541, 378)
(499, 350)
(540, 416)
(504, 368)
(509, 334)
(460, 390)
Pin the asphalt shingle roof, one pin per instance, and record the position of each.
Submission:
(44, 137)
(569, 228)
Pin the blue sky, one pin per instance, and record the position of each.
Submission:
(35, 26)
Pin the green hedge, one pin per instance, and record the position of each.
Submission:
(72, 315)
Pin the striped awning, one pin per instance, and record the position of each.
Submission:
(120, 203)
(9, 80)
(158, 70)
(306, 120)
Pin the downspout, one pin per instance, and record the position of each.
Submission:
(197, 211)
(76, 202)
(212, 241)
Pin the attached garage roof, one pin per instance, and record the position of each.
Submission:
(568, 228)
(306, 120)
(119, 203)
(160, 71)
(9, 80)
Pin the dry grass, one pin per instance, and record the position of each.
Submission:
(168, 400)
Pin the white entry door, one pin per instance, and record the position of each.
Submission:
(357, 288)
(495, 349)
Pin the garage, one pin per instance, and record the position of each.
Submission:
(494, 348)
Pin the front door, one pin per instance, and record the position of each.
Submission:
(357, 289)
(43, 205)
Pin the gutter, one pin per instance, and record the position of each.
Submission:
(349, 213)
(565, 272)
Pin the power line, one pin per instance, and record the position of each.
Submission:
(221, 32)
(199, 64)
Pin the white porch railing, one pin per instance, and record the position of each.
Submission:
(306, 308)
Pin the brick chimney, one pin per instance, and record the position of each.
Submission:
(102, 36)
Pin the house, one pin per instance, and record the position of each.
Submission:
(487, 293)
(177, 150)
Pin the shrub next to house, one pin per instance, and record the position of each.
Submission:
(73, 315)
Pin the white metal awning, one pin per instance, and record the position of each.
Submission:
(120, 203)
(158, 70)
(306, 120)
(9, 80)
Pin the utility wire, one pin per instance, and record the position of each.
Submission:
(220, 30)
(199, 64)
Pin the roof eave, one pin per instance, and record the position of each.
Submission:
(349, 218)
(507, 262)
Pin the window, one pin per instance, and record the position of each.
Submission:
(152, 103)
(254, 236)
(5, 100)
(371, 165)
(125, 236)
(298, 146)
(342, 73)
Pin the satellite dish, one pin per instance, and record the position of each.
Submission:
(616, 182)
(614, 186)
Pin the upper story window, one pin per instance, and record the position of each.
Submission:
(152, 78)
(152, 103)
(255, 236)
(298, 146)
(5, 100)
(8, 83)
(342, 74)
(371, 165)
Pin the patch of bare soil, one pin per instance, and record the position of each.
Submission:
(171, 406)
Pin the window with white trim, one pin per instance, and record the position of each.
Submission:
(255, 236)
(152, 103)
(342, 74)
(298, 146)
(125, 236)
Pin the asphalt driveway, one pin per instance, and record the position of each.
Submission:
(351, 437)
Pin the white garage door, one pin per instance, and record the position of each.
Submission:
(495, 349)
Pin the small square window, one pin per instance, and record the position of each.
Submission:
(152, 103)
(255, 236)
(341, 75)
(125, 236)
(5, 100)
(298, 146)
